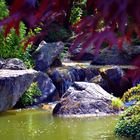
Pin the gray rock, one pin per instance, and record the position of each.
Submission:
(46, 87)
(111, 56)
(88, 53)
(112, 80)
(56, 63)
(84, 98)
(2, 62)
(114, 56)
(132, 51)
(46, 53)
(14, 64)
(13, 84)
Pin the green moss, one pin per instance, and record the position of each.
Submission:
(129, 123)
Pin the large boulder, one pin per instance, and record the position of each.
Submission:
(113, 80)
(111, 56)
(46, 87)
(14, 64)
(46, 53)
(13, 84)
(84, 98)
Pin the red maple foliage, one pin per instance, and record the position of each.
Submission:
(112, 21)
(115, 15)
(26, 10)
(120, 19)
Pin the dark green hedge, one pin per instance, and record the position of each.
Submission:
(129, 123)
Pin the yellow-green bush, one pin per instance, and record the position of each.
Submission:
(117, 103)
(132, 94)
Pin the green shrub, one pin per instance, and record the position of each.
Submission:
(129, 123)
(117, 103)
(11, 46)
(135, 97)
(132, 94)
(76, 14)
(3, 9)
(28, 97)
(77, 11)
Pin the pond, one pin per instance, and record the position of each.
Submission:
(41, 125)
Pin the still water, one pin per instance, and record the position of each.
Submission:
(41, 125)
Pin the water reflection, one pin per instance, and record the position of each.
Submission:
(41, 125)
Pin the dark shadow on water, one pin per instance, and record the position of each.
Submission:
(4, 114)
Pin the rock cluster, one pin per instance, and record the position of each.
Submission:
(83, 90)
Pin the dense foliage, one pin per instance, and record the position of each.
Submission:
(114, 15)
(129, 123)
(77, 11)
(3, 10)
(11, 46)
